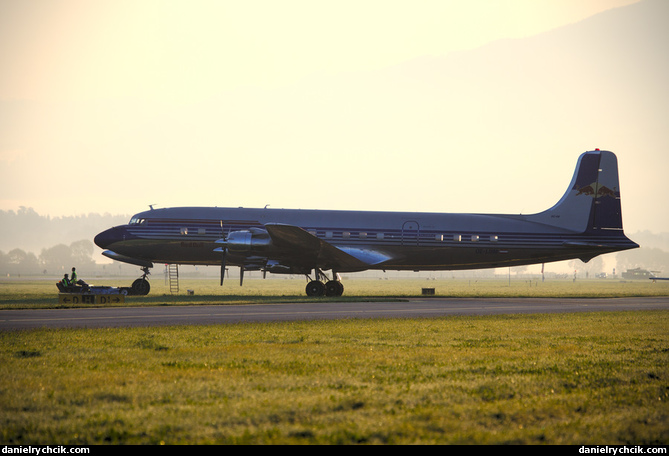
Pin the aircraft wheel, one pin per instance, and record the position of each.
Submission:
(141, 287)
(334, 288)
(315, 288)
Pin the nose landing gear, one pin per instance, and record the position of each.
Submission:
(141, 287)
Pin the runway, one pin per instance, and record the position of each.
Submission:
(226, 314)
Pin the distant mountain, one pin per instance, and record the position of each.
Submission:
(602, 79)
(426, 125)
(649, 240)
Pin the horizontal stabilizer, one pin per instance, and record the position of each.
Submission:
(584, 245)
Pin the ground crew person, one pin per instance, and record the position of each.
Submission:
(74, 277)
(66, 282)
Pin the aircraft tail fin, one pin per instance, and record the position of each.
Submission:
(592, 200)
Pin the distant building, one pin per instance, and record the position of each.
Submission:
(638, 273)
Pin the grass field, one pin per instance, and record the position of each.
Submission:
(586, 378)
(27, 293)
(590, 378)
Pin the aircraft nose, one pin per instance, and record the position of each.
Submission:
(109, 237)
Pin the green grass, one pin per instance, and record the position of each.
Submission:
(28, 293)
(587, 378)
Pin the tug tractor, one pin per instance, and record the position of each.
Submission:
(140, 287)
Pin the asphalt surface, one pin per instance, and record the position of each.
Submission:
(418, 307)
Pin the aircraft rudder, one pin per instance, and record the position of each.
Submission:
(607, 210)
(592, 200)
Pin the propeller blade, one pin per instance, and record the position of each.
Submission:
(223, 259)
(224, 251)
(241, 275)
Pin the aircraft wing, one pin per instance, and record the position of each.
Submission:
(303, 244)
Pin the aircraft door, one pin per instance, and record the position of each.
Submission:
(410, 233)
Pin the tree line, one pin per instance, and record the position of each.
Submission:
(25, 231)
(56, 260)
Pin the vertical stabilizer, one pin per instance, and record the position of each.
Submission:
(592, 200)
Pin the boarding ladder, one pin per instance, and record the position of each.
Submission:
(173, 274)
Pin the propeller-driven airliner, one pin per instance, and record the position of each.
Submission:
(585, 223)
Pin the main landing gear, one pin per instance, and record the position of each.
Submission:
(329, 288)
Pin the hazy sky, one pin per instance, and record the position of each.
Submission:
(188, 50)
(112, 105)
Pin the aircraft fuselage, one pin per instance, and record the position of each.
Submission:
(586, 222)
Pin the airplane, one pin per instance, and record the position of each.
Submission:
(585, 222)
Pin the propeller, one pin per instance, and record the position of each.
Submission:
(243, 245)
(224, 256)
(223, 259)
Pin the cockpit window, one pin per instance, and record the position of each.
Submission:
(137, 221)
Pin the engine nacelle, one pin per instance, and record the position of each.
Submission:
(246, 241)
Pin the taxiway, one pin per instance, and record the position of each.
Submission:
(227, 314)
